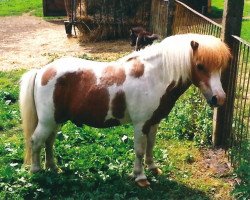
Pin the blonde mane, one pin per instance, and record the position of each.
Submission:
(177, 54)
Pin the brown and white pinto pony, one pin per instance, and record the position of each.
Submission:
(140, 88)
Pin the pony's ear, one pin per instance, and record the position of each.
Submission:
(194, 45)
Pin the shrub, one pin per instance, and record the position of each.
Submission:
(191, 118)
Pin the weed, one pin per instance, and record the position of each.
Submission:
(191, 119)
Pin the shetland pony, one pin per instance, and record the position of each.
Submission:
(140, 88)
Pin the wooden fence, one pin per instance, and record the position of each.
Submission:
(187, 20)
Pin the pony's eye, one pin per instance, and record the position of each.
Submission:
(200, 67)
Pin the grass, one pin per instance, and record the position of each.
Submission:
(9, 111)
(17, 7)
(245, 30)
(96, 163)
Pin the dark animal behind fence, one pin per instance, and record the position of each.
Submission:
(141, 38)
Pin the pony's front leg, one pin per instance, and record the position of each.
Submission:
(149, 151)
(140, 143)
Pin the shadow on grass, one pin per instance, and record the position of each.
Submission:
(71, 184)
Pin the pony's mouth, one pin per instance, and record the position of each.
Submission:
(213, 102)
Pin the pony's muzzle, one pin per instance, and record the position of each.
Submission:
(213, 102)
(217, 101)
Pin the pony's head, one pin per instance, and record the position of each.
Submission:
(140, 38)
(210, 57)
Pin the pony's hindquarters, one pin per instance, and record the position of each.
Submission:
(28, 111)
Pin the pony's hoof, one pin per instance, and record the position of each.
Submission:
(143, 183)
(156, 171)
(52, 167)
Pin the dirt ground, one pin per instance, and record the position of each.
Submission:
(31, 42)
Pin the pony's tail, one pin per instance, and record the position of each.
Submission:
(28, 111)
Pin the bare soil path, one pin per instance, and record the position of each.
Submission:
(31, 42)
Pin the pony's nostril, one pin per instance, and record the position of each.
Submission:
(214, 100)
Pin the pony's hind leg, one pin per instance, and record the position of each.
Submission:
(49, 154)
(41, 134)
(149, 151)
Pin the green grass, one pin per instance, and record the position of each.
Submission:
(17, 7)
(96, 163)
(245, 30)
(246, 12)
(9, 111)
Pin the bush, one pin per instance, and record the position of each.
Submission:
(191, 119)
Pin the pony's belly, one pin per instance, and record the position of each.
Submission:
(112, 122)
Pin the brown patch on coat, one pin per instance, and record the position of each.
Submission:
(119, 105)
(167, 102)
(137, 68)
(48, 75)
(113, 75)
(79, 99)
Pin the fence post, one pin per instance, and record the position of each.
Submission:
(231, 25)
(170, 16)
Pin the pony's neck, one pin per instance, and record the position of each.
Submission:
(172, 64)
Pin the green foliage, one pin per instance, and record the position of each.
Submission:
(17, 7)
(242, 171)
(245, 30)
(246, 12)
(9, 111)
(217, 9)
(191, 118)
(95, 164)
